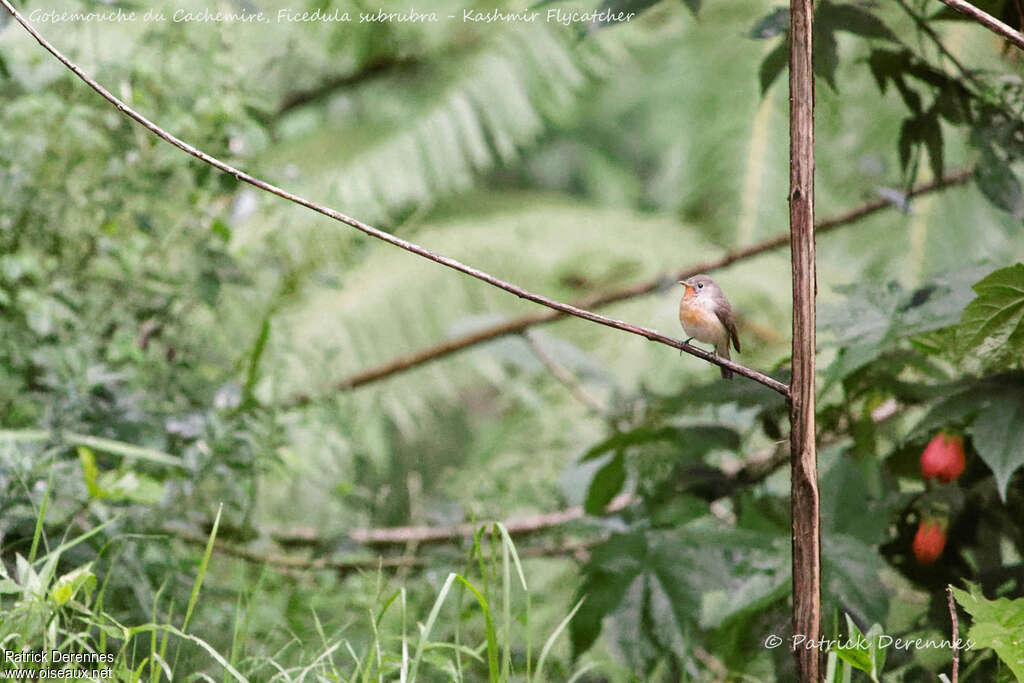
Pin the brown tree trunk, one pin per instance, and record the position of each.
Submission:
(806, 531)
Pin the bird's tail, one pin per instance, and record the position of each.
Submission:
(724, 353)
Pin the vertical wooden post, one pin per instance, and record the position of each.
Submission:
(805, 514)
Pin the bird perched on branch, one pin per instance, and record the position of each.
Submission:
(706, 316)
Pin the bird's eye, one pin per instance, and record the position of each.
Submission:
(700, 285)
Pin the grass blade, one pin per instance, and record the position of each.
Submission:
(38, 533)
(492, 639)
(553, 637)
(203, 565)
(429, 625)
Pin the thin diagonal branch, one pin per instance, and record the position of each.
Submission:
(373, 69)
(411, 247)
(925, 28)
(518, 324)
(988, 21)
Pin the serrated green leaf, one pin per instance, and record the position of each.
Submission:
(606, 484)
(826, 56)
(633, 437)
(997, 624)
(772, 65)
(853, 19)
(850, 578)
(678, 581)
(892, 66)
(998, 435)
(909, 95)
(747, 594)
(956, 409)
(909, 136)
(953, 104)
(1000, 184)
(844, 487)
(930, 134)
(888, 65)
(926, 73)
(997, 312)
(693, 441)
(870, 321)
(772, 24)
(743, 394)
(613, 565)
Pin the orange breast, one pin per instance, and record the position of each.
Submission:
(700, 323)
(696, 316)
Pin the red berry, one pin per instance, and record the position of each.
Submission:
(929, 541)
(943, 457)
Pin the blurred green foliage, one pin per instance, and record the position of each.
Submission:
(157, 320)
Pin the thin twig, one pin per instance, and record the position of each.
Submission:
(444, 534)
(753, 471)
(369, 71)
(294, 563)
(561, 374)
(291, 562)
(923, 26)
(956, 633)
(714, 665)
(987, 20)
(647, 333)
(518, 324)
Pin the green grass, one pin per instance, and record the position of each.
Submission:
(49, 604)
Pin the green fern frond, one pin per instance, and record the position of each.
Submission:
(394, 303)
(478, 114)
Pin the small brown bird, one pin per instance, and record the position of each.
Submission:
(706, 316)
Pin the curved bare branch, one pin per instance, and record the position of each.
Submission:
(523, 322)
(987, 20)
(564, 308)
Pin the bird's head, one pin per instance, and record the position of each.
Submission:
(698, 286)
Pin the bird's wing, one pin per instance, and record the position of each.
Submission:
(724, 314)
